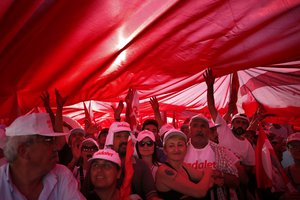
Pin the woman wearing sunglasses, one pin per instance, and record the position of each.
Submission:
(146, 150)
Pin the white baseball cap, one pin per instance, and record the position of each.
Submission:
(32, 124)
(240, 116)
(145, 133)
(107, 154)
(173, 132)
(293, 137)
(90, 140)
(115, 128)
(199, 117)
(164, 129)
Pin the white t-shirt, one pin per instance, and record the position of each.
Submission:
(200, 158)
(241, 148)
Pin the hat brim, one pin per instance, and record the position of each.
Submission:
(53, 134)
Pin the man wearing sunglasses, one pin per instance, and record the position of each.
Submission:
(32, 153)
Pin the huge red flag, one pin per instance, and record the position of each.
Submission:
(263, 161)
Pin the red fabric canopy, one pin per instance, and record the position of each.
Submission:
(97, 50)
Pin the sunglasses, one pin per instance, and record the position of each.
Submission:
(148, 143)
(89, 149)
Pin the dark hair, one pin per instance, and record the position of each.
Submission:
(150, 122)
(154, 155)
(87, 187)
(103, 131)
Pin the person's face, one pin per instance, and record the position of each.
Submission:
(279, 147)
(87, 150)
(199, 133)
(42, 153)
(294, 148)
(101, 140)
(104, 174)
(146, 147)
(152, 128)
(76, 139)
(175, 148)
(239, 126)
(213, 135)
(120, 142)
(186, 131)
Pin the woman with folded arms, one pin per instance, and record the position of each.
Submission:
(174, 179)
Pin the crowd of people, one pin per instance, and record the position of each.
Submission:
(204, 159)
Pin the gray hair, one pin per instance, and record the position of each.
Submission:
(12, 144)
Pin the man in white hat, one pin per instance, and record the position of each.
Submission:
(32, 172)
(142, 180)
(203, 153)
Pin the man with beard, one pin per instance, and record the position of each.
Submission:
(32, 153)
(142, 182)
(231, 138)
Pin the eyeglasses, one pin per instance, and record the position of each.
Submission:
(149, 143)
(89, 149)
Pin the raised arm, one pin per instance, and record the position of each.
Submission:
(46, 100)
(155, 107)
(130, 117)
(118, 111)
(60, 101)
(210, 80)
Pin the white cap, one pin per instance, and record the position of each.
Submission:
(240, 116)
(293, 137)
(107, 154)
(164, 129)
(199, 117)
(90, 140)
(145, 133)
(32, 124)
(173, 132)
(115, 128)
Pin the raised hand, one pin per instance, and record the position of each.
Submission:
(60, 101)
(209, 77)
(118, 110)
(129, 97)
(45, 98)
(154, 103)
